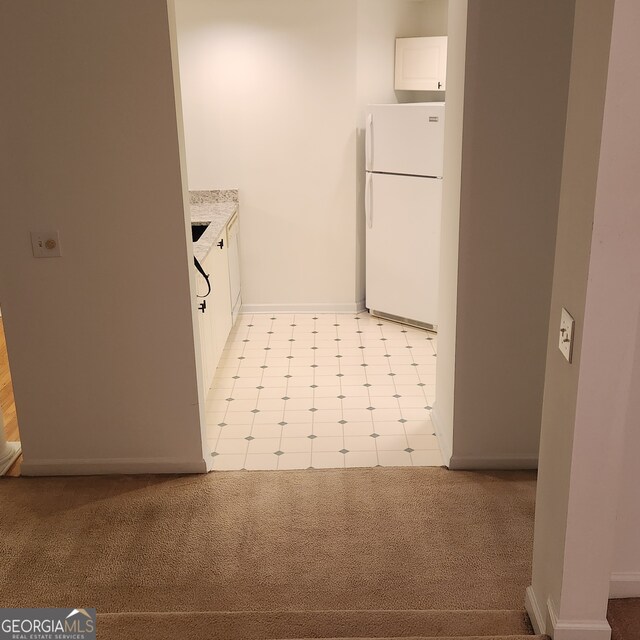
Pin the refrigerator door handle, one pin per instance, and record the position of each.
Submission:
(369, 143)
(368, 200)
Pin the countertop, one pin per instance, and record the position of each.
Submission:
(215, 208)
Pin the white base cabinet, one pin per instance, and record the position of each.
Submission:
(217, 317)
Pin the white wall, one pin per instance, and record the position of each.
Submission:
(103, 367)
(625, 578)
(589, 68)
(273, 93)
(450, 230)
(591, 406)
(269, 105)
(516, 52)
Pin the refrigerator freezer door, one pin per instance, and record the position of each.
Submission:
(406, 139)
(403, 247)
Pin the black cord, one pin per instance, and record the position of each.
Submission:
(204, 275)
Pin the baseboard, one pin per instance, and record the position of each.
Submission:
(625, 585)
(576, 629)
(493, 462)
(535, 613)
(443, 442)
(321, 307)
(114, 466)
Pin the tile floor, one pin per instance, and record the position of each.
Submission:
(323, 390)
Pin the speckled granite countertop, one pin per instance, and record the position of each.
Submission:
(215, 208)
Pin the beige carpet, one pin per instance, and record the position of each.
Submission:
(291, 541)
(624, 618)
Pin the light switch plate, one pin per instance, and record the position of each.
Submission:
(46, 244)
(567, 327)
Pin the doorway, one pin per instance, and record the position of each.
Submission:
(8, 414)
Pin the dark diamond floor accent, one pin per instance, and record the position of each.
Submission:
(249, 438)
(409, 450)
(344, 451)
(279, 453)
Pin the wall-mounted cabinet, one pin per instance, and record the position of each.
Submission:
(421, 64)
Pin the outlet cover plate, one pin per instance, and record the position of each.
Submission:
(46, 244)
(567, 328)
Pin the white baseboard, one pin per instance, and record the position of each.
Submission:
(625, 585)
(443, 441)
(576, 629)
(114, 466)
(535, 613)
(321, 307)
(493, 462)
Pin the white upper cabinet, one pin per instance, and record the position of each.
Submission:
(421, 64)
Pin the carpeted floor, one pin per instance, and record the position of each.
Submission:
(624, 618)
(371, 539)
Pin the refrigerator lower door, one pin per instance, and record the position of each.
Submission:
(403, 247)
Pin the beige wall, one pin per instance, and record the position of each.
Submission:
(450, 231)
(101, 340)
(518, 55)
(269, 99)
(591, 41)
(625, 570)
(589, 434)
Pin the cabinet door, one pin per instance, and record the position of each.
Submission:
(421, 64)
(220, 296)
(205, 324)
(234, 266)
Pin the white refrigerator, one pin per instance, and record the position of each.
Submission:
(403, 200)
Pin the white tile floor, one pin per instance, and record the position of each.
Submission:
(323, 390)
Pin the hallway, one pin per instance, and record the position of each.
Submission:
(333, 553)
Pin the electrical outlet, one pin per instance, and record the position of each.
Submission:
(46, 244)
(567, 326)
